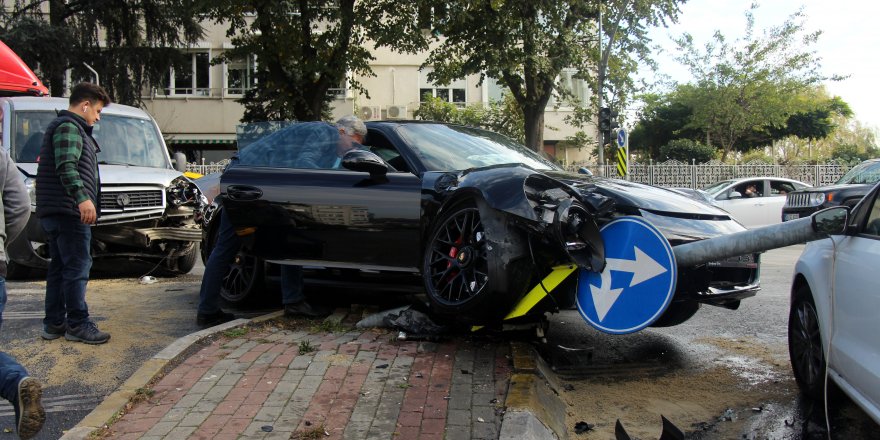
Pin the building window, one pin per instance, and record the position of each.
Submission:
(240, 75)
(454, 92)
(576, 90)
(191, 81)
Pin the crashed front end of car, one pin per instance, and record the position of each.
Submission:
(561, 214)
(152, 220)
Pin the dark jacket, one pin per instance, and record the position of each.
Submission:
(52, 197)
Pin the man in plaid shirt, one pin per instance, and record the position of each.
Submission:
(68, 203)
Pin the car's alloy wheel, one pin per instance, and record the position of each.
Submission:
(805, 344)
(243, 280)
(457, 266)
(475, 264)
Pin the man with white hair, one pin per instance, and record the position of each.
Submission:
(303, 145)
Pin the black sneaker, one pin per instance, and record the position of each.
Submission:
(51, 331)
(29, 413)
(212, 319)
(303, 308)
(88, 333)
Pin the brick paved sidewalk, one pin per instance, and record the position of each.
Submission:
(282, 380)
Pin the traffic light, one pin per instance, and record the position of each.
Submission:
(604, 119)
(607, 124)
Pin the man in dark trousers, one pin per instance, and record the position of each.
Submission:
(21, 391)
(68, 203)
(311, 145)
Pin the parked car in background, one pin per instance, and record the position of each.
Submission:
(833, 322)
(847, 191)
(468, 217)
(760, 208)
(147, 206)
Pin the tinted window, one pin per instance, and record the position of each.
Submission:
(865, 172)
(122, 139)
(443, 148)
(292, 145)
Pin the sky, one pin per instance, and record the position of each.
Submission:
(849, 44)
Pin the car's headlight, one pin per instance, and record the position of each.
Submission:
(31, 185)
(183, 192)
(816, 199)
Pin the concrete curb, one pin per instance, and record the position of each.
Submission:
(534, 408)
(115, 402)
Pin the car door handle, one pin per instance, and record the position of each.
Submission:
(242, 192)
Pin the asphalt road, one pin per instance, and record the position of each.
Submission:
(141, 318)
(723, 374)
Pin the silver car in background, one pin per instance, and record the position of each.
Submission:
(147, 206)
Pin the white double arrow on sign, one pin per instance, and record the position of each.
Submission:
(643, 269)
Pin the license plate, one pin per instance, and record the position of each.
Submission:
(787, 217)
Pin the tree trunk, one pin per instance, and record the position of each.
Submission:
(534, 127)
(55, 76)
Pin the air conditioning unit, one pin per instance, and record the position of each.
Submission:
(370, 112)
(396, 111)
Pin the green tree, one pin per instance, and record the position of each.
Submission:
(660, 121)
(525, 45)
(686, 150)
(132, 45)
(748, 85)
(503, 117)
(306, 48)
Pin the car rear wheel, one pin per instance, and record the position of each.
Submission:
(475, 265)
(805, 344)
(243, 282)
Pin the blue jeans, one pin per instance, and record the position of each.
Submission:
(11, 372)
(68, 274)
(222, 256)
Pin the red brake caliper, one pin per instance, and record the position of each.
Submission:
(453, 251)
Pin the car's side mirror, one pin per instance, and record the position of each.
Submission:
(830, 221)
(365, 161)
(734, 195)
(584, 170)
(179, 161)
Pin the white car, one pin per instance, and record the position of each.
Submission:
(757, 208)
(833, 323)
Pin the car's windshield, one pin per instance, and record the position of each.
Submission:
(865, 172)
(715, 188)
(123, 140)
(443, 148)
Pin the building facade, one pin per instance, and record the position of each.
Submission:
(197, 109)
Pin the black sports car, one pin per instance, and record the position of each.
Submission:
(467, 216)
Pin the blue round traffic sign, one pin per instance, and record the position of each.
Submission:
(621, 138)
(638, 282)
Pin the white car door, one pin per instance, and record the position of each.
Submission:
(746, 210)
(855, 353)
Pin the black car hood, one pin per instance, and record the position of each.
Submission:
(866, 186)
(635, 196)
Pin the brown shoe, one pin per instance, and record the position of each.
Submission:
(29, 413)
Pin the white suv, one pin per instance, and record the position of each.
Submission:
(147, 206)
(834, 321)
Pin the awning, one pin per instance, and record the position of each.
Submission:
(201, 141)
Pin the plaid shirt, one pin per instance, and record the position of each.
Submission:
(68, 145)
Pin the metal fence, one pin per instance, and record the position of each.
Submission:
(677, 174)
(209, 168)
(683, 175)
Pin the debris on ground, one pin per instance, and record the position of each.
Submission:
(582, 427)
(412, 324)
(669, 432)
